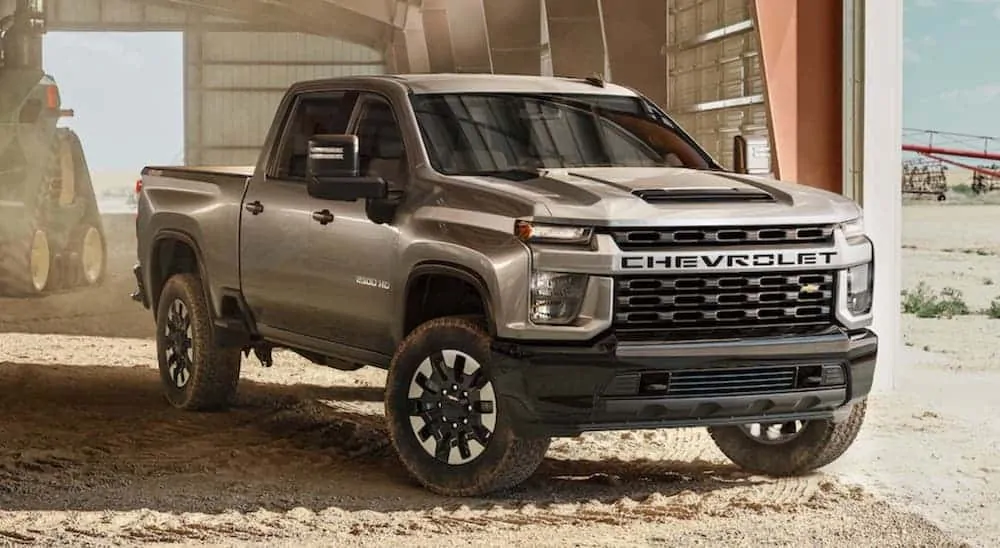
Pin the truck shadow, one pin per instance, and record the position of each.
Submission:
(102, 438)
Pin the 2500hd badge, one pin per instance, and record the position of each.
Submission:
(702, 261)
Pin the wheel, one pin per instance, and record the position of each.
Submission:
(40, 265)
(941, 197)
(788, 449)
(88, 256)
(445, 419)
(197, 374)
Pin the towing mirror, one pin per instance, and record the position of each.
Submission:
(332, 171)
(332, 156)
(752, 155)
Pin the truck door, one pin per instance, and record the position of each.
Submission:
(278, 281)
(353, 256)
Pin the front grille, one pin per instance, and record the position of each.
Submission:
(648, 238)
(651, 308)
(747, 380)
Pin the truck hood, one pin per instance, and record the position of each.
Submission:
(667, 195)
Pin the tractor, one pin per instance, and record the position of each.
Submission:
(51, 233)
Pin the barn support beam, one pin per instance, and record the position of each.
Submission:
(456, 36)
(801, 42)
(576, 38)
(408, 47)
(514, 31)
(882, 42)
(631, 22)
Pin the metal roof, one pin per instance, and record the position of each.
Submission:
(367, 22)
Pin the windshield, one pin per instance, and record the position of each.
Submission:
(468, 134)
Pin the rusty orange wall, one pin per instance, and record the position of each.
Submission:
(801, 53)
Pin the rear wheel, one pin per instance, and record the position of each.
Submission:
(445, 418)
(197, 374)
(790, 448)
(87, 254)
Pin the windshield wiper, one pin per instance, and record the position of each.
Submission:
(512, 174)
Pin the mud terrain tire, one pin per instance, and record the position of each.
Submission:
(204, 376)
(460, 348)
(819, 443)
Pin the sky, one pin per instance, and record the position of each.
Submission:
(951, 78)
(127, 88)
(127, 93)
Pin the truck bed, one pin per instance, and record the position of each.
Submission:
(208, 174)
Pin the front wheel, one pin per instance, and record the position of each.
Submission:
(790, 448)
(445, 418)
(197, 375)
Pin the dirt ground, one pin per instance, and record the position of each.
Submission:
(90, 454)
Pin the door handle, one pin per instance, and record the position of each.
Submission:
(254, 207)
(323, 217)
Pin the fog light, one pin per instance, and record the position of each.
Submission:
(555, 297)
(860, 280)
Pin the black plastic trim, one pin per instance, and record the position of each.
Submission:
(453, 270)
(552, 391)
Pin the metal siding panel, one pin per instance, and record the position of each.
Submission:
(243, 76)
(722, 69)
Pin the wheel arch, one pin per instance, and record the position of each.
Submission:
(163, 258)
(427, 270)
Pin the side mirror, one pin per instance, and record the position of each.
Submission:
(332, 156)
(752, 155)
(332, 171)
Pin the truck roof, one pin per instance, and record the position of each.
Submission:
(497, 83)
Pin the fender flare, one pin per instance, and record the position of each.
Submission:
(456, 271)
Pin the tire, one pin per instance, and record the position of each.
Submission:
(208, 375)
(817, 444)
(503, 461)
(26, 264)
(87, 256)
(26, 258)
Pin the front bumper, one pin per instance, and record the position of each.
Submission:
(564, 391)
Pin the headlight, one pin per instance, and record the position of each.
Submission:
(860, 282)
(854, 229)
(534, 232)
(555, 297)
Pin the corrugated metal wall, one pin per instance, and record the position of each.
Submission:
(234, 81)
(715, 82)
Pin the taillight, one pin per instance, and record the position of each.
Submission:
(138, 186)
(52, 97)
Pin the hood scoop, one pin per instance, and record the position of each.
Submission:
(703, 195)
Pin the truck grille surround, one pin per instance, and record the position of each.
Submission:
(633, 239)
(724, 305)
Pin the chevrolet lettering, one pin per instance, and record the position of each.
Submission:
(528, 258)
(708, 261)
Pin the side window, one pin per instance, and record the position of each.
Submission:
(313, 114)
(380, 142)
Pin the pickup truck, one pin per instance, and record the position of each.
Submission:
(528, 257)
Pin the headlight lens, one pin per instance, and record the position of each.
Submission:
(556, 298)
(860, 281)
(854, 229)
(534, 232)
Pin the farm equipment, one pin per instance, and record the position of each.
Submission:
(983, 183)
(985, 178)
(51, 235)
(925, 176)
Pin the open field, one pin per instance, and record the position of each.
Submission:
(90, 454)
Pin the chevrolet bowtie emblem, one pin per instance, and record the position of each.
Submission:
(810, 288)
